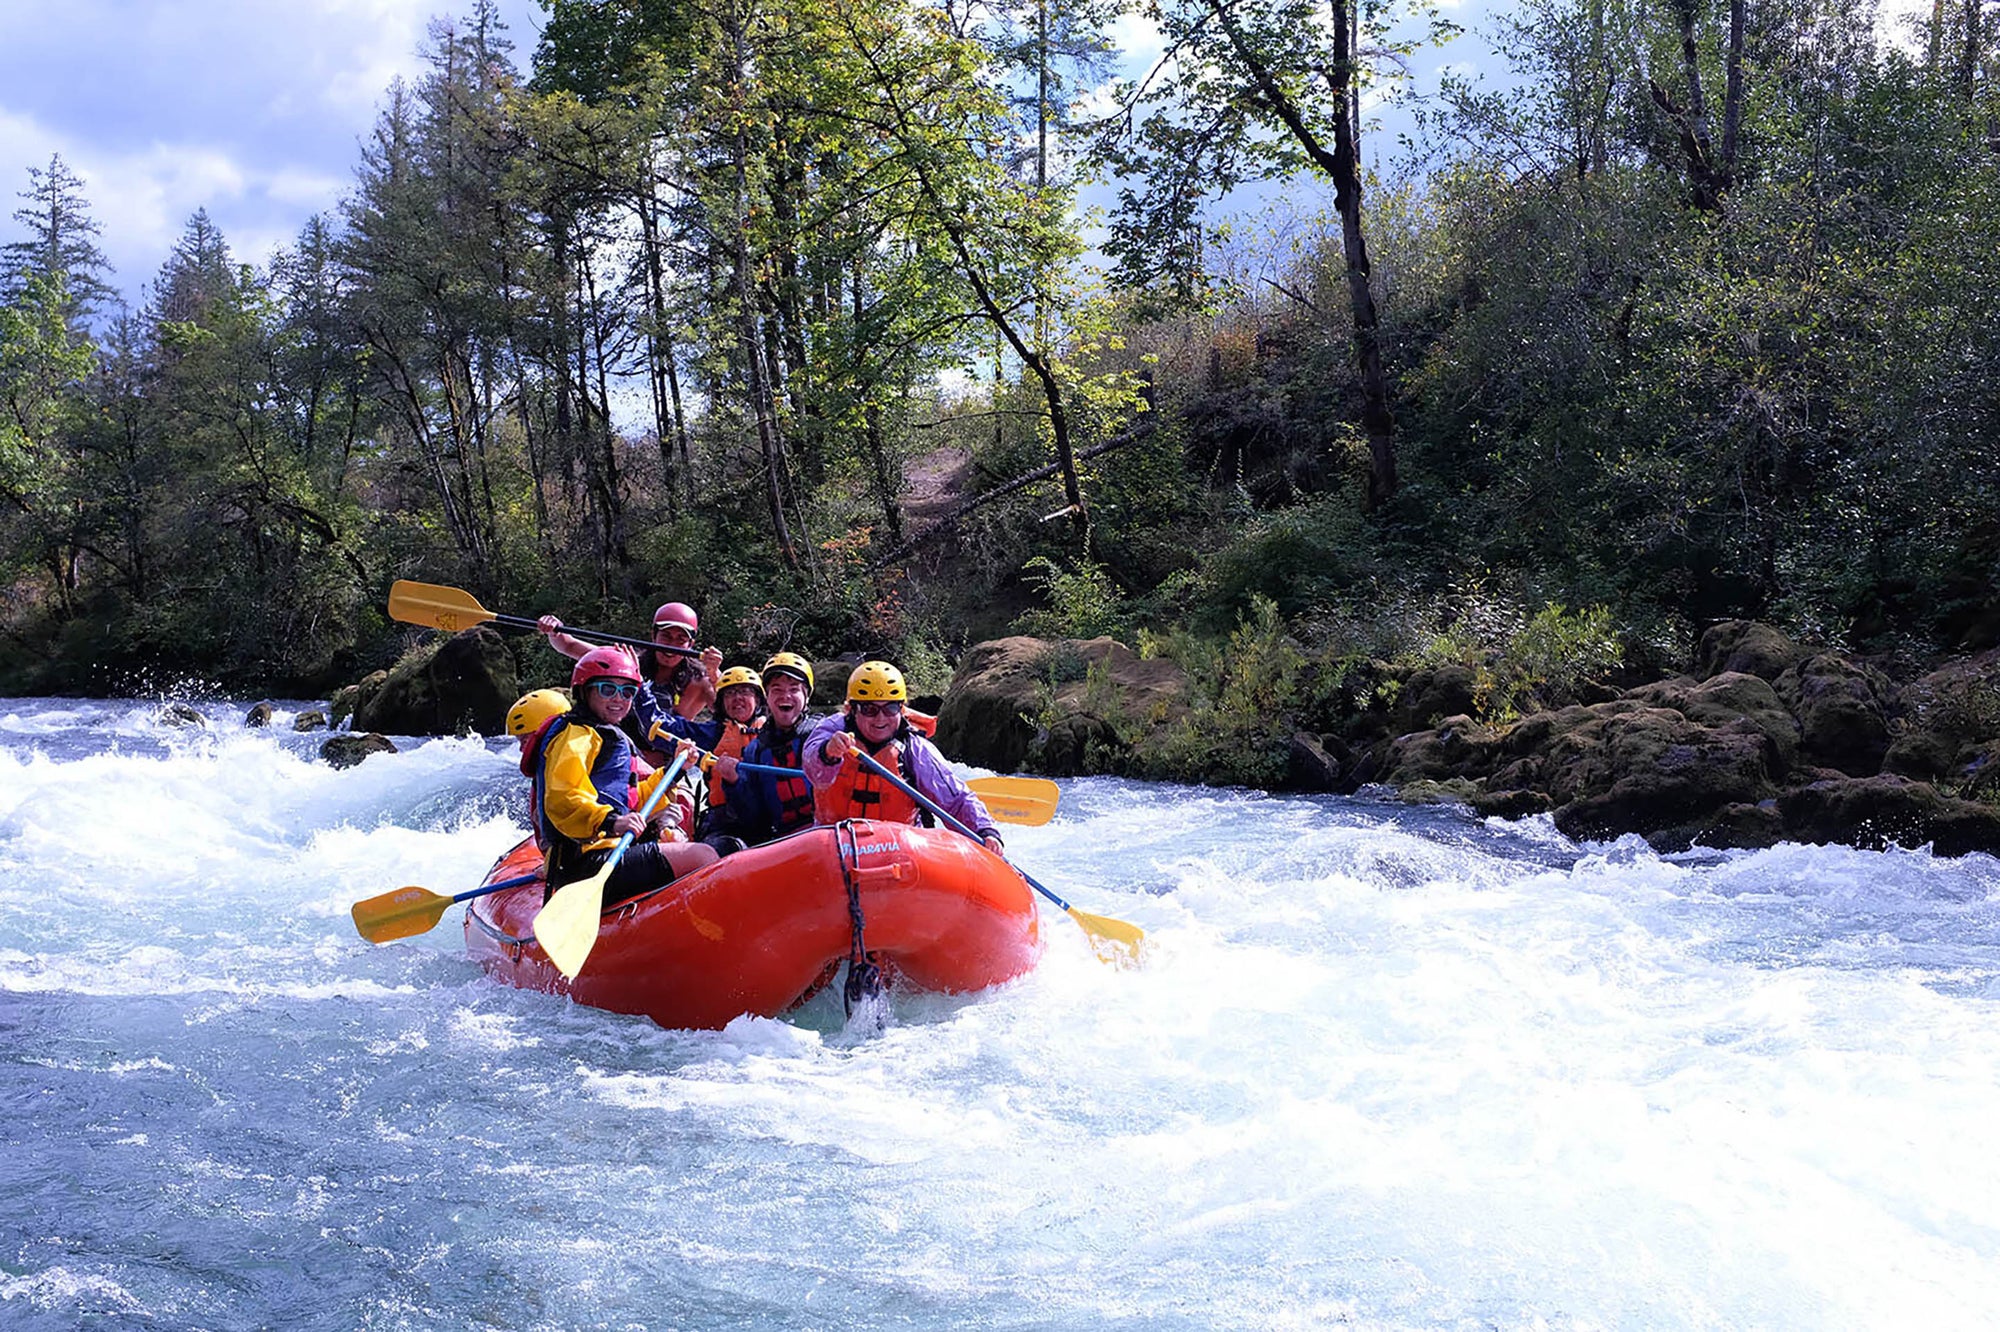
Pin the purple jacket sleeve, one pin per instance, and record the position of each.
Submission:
(929, 773)
(818, 771)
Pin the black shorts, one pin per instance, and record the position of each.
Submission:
(643, 868)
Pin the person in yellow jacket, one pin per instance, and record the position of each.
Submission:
(586, 794)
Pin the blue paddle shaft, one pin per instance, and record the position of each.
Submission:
(775, 772)
(514, 882)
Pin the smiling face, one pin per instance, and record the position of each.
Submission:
(739, 702)
(786, 696)
(609, 700)
(876, 722)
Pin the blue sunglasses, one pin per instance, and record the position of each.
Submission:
(614, 689)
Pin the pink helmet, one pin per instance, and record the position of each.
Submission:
(605, 663)
(680, 613)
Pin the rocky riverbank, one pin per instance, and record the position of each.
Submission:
(1762, 740)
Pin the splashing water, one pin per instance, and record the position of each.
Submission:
(1383, 1066)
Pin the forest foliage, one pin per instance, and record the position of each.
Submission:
(1691, 310)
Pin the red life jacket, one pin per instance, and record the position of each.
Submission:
(795, 794)
(856, 793)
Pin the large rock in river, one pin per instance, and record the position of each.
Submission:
(1873, 812)
(1624, 767)
(1030, 702)
(1842, 721)
(1948, 722)
(468, 683)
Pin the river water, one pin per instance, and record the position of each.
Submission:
(1382, 1067)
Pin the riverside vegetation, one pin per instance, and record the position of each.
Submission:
(1693, 324)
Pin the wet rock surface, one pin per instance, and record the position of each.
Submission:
(1764, 740)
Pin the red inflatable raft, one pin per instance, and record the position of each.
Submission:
(757, 932)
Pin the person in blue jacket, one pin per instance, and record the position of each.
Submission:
(763, 807)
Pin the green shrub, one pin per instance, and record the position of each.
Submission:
(1083, 602)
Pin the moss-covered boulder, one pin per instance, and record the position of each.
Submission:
(1457, 748)
(1056, 705)
(1728, 697)
(1886, 809)
(1620, 768)
(1945, 722)
(1843, 722)
(1748, 648)
(466, 683)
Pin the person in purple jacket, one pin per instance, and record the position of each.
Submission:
(873, 723)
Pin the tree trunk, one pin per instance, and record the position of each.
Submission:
(1342, 165)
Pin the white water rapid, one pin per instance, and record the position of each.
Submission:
(1383, 1067)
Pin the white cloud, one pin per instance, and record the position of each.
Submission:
(252, 109)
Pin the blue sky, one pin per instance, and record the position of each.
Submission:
(252, 109)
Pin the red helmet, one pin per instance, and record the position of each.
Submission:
(605, 663)
(680, 613)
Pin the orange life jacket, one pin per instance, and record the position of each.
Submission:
(856, 793)
(735, 737)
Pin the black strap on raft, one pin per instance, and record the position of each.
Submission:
(864, 978)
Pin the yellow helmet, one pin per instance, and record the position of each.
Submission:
(877, 681)
(737, 675)
(532, 711)
(793, 663)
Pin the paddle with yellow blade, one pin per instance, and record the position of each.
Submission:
(567, 927)
(1103, 930)
(452, 609)
(1029, 801)
(411, 911)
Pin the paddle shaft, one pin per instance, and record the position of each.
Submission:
(937, 811)
(515, 882)
(523, 622)
(1005, 806)
(645, 813)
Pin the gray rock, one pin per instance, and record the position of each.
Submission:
(259, 716)
(1874, 812)
(309, 721)
(1002, 689)
(1313, 764)
(180, 714)
(344, 751)
(1842, 721)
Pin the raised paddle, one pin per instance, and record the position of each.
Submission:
(566, 927)
(411, 911)
(1101, 929)
(452, 609)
